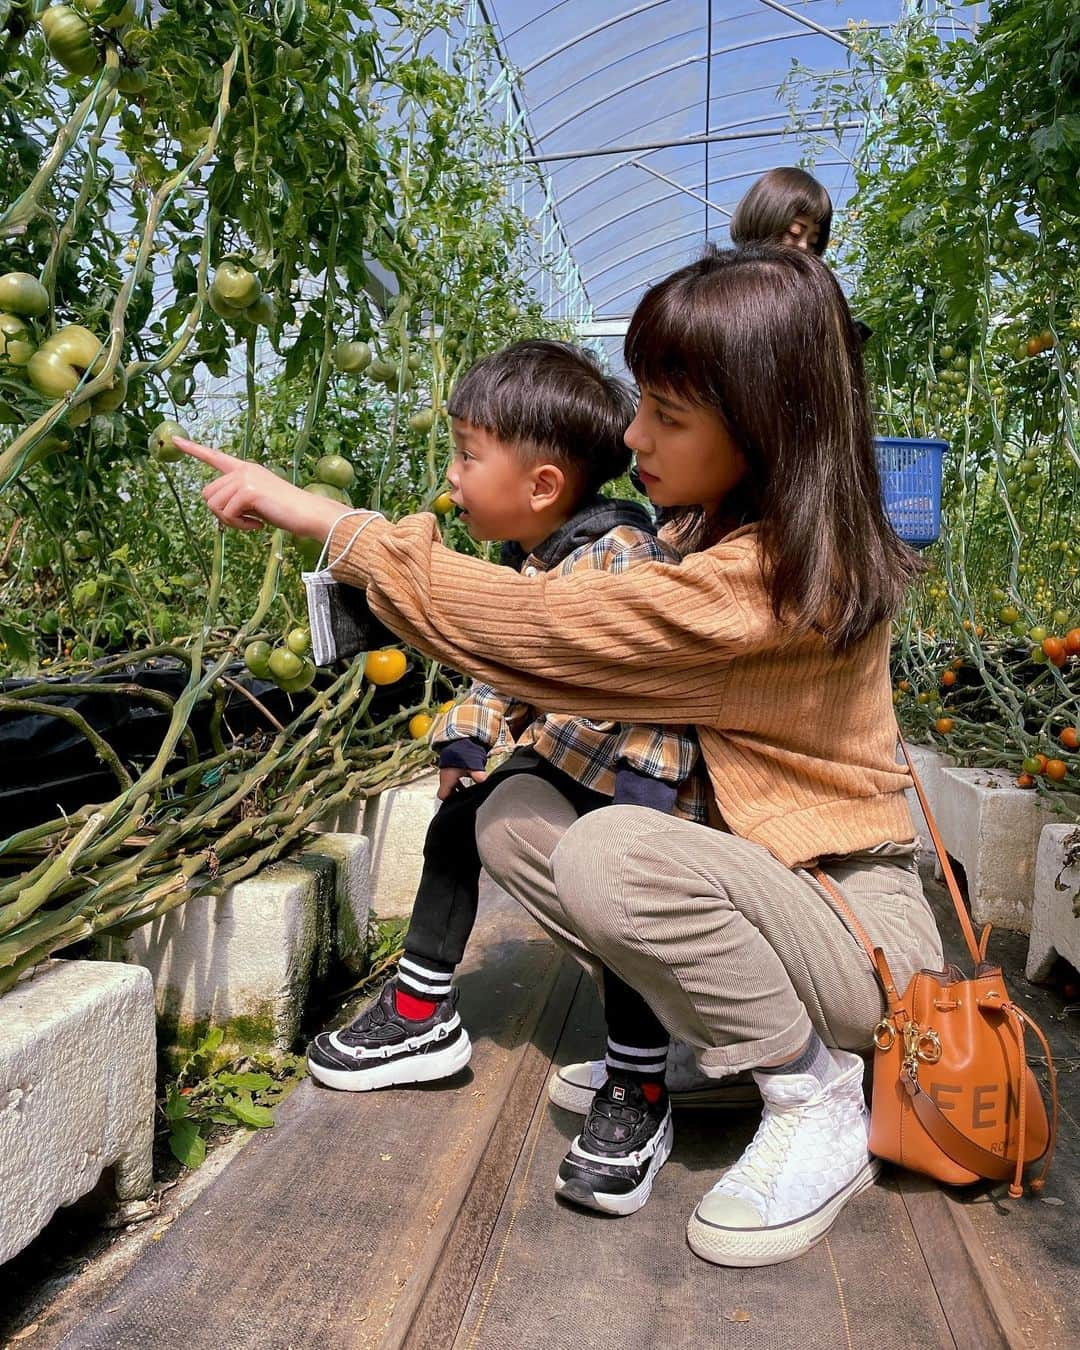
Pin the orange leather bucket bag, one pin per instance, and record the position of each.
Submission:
(953, 1094)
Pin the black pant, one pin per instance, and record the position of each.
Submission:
(444, 911)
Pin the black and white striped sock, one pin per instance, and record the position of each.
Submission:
(424, 978)
(643, 1061)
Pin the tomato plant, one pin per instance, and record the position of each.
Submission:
(287, 229)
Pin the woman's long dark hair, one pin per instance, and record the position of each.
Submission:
(763, 336)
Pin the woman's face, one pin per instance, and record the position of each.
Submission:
(685, 453)
(802, 233)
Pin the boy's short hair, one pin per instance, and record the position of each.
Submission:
(550, 400)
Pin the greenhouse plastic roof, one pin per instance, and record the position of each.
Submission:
(597, 75)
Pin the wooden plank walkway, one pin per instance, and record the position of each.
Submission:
(425, 1218)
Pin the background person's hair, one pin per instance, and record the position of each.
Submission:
(550, 401)
(772, 203)
(763, 336)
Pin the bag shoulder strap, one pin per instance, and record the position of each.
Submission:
(976, 951)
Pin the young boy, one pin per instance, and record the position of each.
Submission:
(538, 429)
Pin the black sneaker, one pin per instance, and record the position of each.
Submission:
(383, 1049)
(625, 1142)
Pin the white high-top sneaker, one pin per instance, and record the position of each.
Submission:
(807, 1159)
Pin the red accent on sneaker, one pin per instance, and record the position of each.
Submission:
(651, 1092)
(415, 1009)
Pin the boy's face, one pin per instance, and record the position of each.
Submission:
(493, 489)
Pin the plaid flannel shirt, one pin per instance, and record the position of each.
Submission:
(585, 749)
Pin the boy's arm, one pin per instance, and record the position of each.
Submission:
(484, 717)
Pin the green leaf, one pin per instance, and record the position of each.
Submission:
(175, 1105)
(187, 1144)
(20, 651)
(246, 1111)
(245, 1082)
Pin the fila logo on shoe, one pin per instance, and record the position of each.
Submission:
(618, 1093)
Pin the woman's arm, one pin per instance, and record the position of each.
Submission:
(649, 645)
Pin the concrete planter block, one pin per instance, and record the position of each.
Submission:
(77, 1063)
(992, 828)
(928, 765)
(245, 960)
(1055, 925)
(351, 901)
(396, 823)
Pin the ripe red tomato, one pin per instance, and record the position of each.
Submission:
(1054, 647)
(1072, 641)
(1070, 737)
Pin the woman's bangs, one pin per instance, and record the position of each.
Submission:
(671, 344)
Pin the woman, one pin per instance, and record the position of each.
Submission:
(772, 639)
(784, 206)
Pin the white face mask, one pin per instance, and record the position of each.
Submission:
(338, 615)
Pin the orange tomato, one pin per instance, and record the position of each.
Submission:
(1056, 769)
(1024, 780)
(419, 725)
(1054, 647)
(1070, 737)
(948, 678)
(386, 666)
(1072, 641)
(943, 726)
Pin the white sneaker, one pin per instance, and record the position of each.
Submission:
(574, 1086)
(808, 1158)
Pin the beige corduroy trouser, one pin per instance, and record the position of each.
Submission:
(737, 955)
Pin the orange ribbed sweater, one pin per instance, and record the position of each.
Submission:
(799, 740)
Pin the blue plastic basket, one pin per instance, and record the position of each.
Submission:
(911, 486)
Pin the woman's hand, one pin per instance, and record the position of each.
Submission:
(247, 496)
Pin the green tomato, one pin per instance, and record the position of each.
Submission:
(284, 664)
(70, 40)
(125, 16)
(236, 285)
(263, 312)
(16, 341)
(326, 490)
(385, 372)
(298, 640)
(352, 357)
(231, 313)
(336, 471)
(1037, 633)
(257, 658)
(20, 293)
(294, 684)
(82, 545)
(111, 399)
(161, 445)
(59, 364)
(133, 79)
(423, 420)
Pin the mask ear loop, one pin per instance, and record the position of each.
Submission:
(359, 511)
